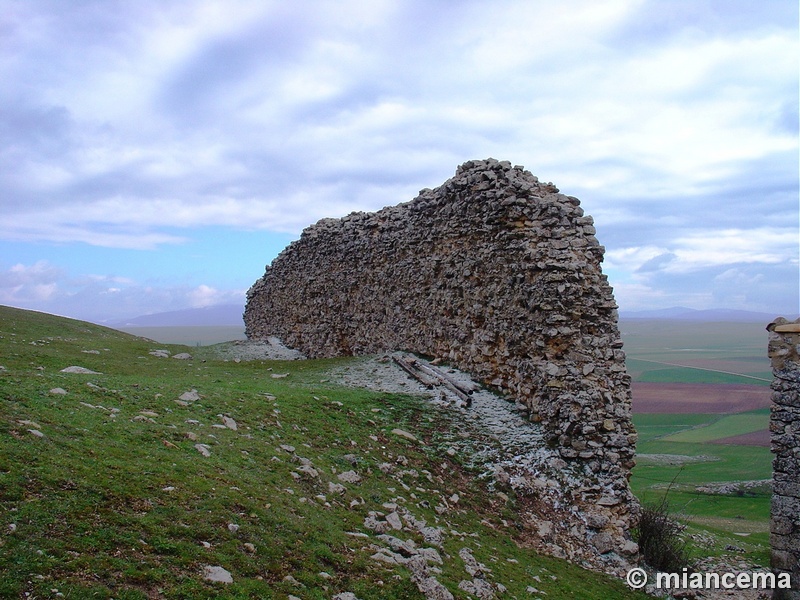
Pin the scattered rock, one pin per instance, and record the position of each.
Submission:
(80, 370)
(291, 580)
(336, 488)
(182, 356)
(349, 477)
(308, 471)
(203, 449)
(479, 588)
(58, 391)
(394, 520)
(217, 574)
(36, 433)
(229, 423)
(190, 396)
(404, 434)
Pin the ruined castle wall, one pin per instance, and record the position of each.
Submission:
(784, 352)
(494, 271)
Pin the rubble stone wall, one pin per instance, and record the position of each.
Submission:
(495, 272)
(784, 352)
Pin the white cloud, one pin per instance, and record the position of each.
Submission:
(205, 295)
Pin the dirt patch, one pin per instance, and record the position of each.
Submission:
(754, 438)
(698, 398)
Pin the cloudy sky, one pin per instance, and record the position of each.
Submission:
(155, 155)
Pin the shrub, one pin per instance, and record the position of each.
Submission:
(659, 539)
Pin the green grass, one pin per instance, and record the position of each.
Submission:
(114, 503)
(723, 427)
(651, 426)
(738, 518)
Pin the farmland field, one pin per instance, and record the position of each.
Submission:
(701, 402)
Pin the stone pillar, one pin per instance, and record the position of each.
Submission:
(784, 352)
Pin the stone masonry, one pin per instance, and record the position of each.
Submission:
(784, 352)
(498, 274)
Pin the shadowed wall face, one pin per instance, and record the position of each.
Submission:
(784, 352)
(494, 271)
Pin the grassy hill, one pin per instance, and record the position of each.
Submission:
(112, 486)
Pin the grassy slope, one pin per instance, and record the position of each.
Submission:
(124, 506)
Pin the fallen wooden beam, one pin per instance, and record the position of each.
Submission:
(409, 367)
(431, 376)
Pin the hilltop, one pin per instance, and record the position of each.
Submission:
(165, 467)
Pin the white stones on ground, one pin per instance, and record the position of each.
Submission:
(58, 391)
(229, 423)
(287, 448)
(404, 434)
(345, 596)
(233, 527)
(12, 528)
(479, 588)
(308, 471)
(182, 356)
(291, 580)
(142, 419)
(36, 433)
(472, 566)
(279, 375)
(336, 488)
(79, 370)
(203, 449)
(189, 396)
(159, 353)
(394, 520)
(217, 574)
(349, 477)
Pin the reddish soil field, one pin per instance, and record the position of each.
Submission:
(703, 398)
(755, 438)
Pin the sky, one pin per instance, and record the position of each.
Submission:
(155, 155)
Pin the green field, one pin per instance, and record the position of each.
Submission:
(723, 427)
(716, 489)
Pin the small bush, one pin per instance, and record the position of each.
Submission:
(659, 539)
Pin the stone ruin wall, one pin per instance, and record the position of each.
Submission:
(495, 272)
(784, 352)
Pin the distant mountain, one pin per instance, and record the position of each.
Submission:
(220, 315)
(680, 313)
